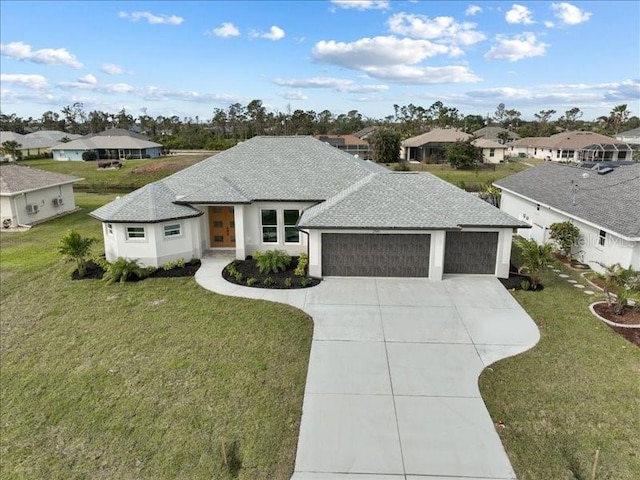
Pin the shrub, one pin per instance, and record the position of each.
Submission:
(124, 269)
(268, 282)
(272, 261)
(238, 276)
(534, 257)
(76, 248)
(565, 234)
(619, 285)
(251, 281)
(287, 282)
(301, 269)
(401, 167)
(89, 156)
(525, 284)
(305, 282)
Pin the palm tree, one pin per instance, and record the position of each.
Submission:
(618, 116)
(76, 248)
(11, 148)
(534, 258)
(619, 284)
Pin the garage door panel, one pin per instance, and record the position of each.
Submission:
(382, 255)
(471, 252)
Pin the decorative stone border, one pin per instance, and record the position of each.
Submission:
(609, 322)
(583, 275)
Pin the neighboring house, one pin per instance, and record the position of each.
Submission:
(350, 144)
(118, 132)
(366, 132)
(630, 136)
(29, 195)
(495, 133)
(604, 203)
(117, 147)
(36, 144)
(571, 147)
(431, 145)
(353, 217)
(492, 150)
(53, 137)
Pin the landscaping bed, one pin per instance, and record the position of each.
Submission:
(96, 272)
(630, 316)
(247, 273)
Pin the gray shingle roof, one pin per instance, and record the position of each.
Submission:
(492, 133)
(437, 135)
(611, 201)
(18, 178)
(394, 200)
(99, 142)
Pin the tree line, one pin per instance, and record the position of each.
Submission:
(239, 122)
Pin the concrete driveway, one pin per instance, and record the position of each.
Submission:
(392, 386)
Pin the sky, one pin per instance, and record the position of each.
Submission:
(188, 58)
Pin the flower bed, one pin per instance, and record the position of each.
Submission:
(247, 273)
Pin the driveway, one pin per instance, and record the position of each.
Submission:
(392, 386)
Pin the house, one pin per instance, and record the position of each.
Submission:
(492, 150)
(571, 147)
(497, 134)
(301, 195)
(603, 201)
(350, 144)
(29, 195)
(630, 136)
(118, 132)
(431, 145)
(107, 147)
(366, 132)
(36, 144)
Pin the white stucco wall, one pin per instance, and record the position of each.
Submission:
(155, 249)
(615, 250)
(15, 207)
(498, 155)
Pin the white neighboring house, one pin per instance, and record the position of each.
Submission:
(492, 151)
(29, 196)
(603, 203)
(571, 147)
(352, 217)
(630, 136)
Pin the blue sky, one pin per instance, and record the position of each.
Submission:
(188, 58)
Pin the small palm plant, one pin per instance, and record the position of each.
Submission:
(534, 258)
(123, 269)
(76, 248)
(272, 261)
(620, 284)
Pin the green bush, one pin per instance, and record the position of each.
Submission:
(565, 234)
(124, 269)
(287, 282)
(268, 282)
(301, 269)
(89, 156)
(251, 281)
(272, 261)
(76, 248)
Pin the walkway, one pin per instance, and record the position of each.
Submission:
(391, 389)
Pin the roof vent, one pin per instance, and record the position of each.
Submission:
(604, 171)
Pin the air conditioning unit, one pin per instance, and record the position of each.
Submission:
(57, 201)
(32, 208)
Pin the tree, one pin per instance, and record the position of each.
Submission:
(385, 143)
(618, 116)
(75, 117)
(76, 248)
(500, 114)
(11, 148)
(534, 258)
(461, 155)
(503, 137)
(619, 283)
(569, 121)
(543, 117)
(565, 234)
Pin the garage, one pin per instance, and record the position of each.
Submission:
(471, 252)
(375, 255)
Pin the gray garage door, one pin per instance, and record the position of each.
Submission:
(470, 252)
(367, 255)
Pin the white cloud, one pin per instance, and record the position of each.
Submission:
(152, 18)
(92, 84)
(519, 14)
(516, 48)
(35, 82)
(409, 74)
(160, 94)
(275, 33)
(112, 69)
(549, 24)
(439, 28)
(472, 10)
(227, 29)
(338, 84)
(46, 56)
(89, 79)
(569, 14)
(294, 95)
(362, 4)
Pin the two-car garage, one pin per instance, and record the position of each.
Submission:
(406, 255)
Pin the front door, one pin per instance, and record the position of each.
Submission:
(222, 227)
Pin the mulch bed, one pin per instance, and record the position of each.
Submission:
(573, 265)
(630, 316)
(249, 269)
(514, 282)
(96, 272)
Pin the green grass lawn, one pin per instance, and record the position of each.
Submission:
(141, 380)
(577, 391)
(134, 173)
(470, 180)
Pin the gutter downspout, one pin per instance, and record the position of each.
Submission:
(308, 238)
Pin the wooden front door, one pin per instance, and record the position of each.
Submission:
(222, 227)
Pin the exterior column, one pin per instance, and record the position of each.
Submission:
(436, 263)
(238, 213)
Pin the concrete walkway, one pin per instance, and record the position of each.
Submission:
(392, 386)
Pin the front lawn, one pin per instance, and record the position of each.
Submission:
(576, 392)
(140, 380)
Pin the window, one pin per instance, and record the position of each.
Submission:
(291, 233)
(135, 232)
(173, 230)
(269, 226)
(492, 152)
(603, 236)
(110, 229)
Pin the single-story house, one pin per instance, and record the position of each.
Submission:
(352, 217)
(118, 132)
(29, 195)
(603, 201)
(492, 150)
(431, 145)
(37, 143)
(116, 147)
(495, 133)
(630, 136)
(350, 144)
(571, 147)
